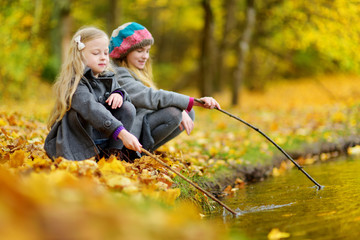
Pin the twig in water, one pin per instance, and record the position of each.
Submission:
(189, 181)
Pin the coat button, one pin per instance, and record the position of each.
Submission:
(101, 99)
(107, 95)
(107, 123)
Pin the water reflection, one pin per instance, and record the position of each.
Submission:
(292, 204)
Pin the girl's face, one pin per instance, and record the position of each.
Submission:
(96, 55)
(138, 57)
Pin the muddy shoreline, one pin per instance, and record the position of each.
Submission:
(318, 152)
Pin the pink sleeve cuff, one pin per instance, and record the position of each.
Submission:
(191, 104)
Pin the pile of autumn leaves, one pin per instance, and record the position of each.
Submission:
(108, 199)
(22, 154)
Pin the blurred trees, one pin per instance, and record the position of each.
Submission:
(207, 65)
(210, 45)
(244, 49)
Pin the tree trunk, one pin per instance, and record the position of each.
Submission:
(114, 15)
(37, 18)
(229, 7)
(207, 51)
(59, 37)
(66, 26)
(243, 50)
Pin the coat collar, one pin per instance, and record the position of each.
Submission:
(88, 73)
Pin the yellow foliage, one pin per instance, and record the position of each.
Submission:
(338, 117)
(168, 196)
(118, 181)
(111, 166)
(275, 172)
(309, 161)
(17, 159)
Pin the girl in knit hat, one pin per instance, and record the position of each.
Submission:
(160, 115)
(91, 115)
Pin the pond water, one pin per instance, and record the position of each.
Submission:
(293, 204)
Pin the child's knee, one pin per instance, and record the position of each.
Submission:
(129, 108)
(126, 111)
(175, 114)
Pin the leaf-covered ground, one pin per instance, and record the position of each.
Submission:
(113, 199)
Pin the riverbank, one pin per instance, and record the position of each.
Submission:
(317, 153)
(223, 154)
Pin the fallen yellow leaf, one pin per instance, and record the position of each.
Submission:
(112, 165)
(276, 234)
(17, 159)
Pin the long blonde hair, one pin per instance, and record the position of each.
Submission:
(71, 73)
(144, 75)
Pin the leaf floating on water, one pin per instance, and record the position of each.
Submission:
(202, 215)
(326, 213)
(276, 234)
(227, 190)
(289, 215)
(239, 183)
(354, 150)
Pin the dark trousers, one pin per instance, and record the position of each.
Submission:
(125, 114)
(165, 125)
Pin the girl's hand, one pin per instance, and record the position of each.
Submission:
(115, 100)
(130, 141)
(209, 103)
(186, 123)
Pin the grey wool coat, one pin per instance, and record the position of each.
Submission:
(147, 100)
(71, 136)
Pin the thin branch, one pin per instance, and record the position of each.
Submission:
(189, 181)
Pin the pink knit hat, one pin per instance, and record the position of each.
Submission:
(127, 38)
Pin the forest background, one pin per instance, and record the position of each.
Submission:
(208, 45)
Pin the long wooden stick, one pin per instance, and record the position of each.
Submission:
(189, 181)
(270, 140)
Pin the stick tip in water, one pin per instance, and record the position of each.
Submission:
(320, 187)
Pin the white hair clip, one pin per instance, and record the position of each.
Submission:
(80, 45)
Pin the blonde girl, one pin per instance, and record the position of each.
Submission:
(160, 115)
(92, 115)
